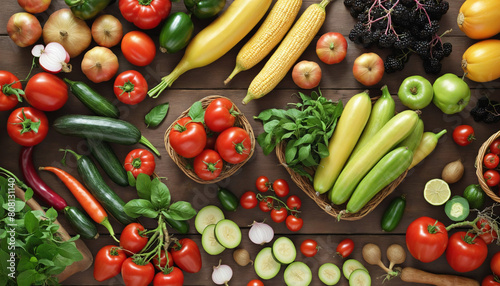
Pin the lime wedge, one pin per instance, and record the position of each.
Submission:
(437, 192)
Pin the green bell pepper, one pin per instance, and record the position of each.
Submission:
(176, 32)
(204, 9)
(87, 9)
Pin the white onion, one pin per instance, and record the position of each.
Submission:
(222, 274)
(260, 233)
(52, 58)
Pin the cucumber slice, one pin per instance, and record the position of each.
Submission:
(350, 265)
(209, 242)
(284, 250)
(329, 274)
(206, 216)
(297, 274)
(360, 277)
(228, 233)
(457, 208)
(265, 265)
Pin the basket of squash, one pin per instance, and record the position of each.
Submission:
(487, 168)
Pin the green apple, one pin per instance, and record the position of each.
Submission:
(415, 92)
(451, 93)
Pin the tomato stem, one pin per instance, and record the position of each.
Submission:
(262, 198)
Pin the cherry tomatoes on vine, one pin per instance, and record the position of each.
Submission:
(131, 238)
(266, 205)
(248, 200)
(281, 188)
(294, 223)
(279, 215)
(293, 202)
(495, 264)
(262, 184)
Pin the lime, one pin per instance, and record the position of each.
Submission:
(437, 192)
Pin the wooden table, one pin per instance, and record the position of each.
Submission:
(337, 84)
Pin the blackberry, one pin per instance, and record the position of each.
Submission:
(437, 53)
(491, 118)
(447, 49)
(483, 102)
(355, 36)
(429, 29)
(358, 5)
(393, 64)
(363, 17)
(353, 12)
(432, 66)
(348, 3)
(420, 47)
(407, 3)
(400, 15)
(404, 41)
(386, 40)
(478, 113)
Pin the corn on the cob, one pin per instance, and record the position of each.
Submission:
(288, 52)
(269, 34)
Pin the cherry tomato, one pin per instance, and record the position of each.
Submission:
(491, 160)
(174, 278)
(188, 138)
(163, 260)
(345, 247)
(426, 239)
(495, 264)
(279, 215)
(490, 280)
(234, 145)
(294, 223)
(187, 255)
(266, 205)
(220, 115)
(130, 87)
(27, 126)
(208, 165)
(463, 135)
(140, 161)
(145, 14)
(131, 238)
(10, 90)
(138, 48)
(108, 262)
(248, 200)
(293, 202)
(465, 251)
(309, 247)
(46, 92)
(281, 188)
(495, 146)
(492, 178)
(262, 184)
(137, 275)
(487, 233)
(255, 282)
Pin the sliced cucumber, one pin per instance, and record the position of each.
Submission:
(206, 216)
(329, 274)
(457, 208)
(228, 233)
(284, 250)
(350, 265)
(360, 277)
(209, 242)
(265, 265)
(297, 274)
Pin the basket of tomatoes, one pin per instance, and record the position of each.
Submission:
(211, 140)
(488, 168)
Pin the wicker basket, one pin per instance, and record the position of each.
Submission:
(479, 167)
(228, 169)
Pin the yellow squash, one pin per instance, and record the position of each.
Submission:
(481, 61)
(479, 19)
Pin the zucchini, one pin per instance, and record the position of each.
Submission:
(209, 242)
(393, 214)
(350, 266)
(206, 216)
(96, 185)
(344, 138)
(81, 223)
(265, 265)
(101, 128)
(284, 250)
(106, 157)
(181, 226)
(227, 233)
(382, 174)
(93, 100)
(360, 277)
(393, 132)
(329, 274)
(297, 274)
(414, 138)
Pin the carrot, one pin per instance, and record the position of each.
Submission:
(409, 274)
(93, 208)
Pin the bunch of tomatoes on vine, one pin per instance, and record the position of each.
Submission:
(281, 210)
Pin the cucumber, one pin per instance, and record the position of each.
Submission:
(265, 265)
(284, 250)
(329, 274)
(228, 233)
(382, 174)
(182, 226)
(457, 208)
(81, 223)
(209, 242)
(349, 266)
(207, 216)
(93, 100)
(360, 277)
(106, 157)
(297, 274)
(413, 140)
(393, 214)
(227, 199)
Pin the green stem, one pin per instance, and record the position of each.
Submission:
(107, 225)
(261, 198)
(148, 144)
(168, 80)
(440, 133)
(324, 3)
(464, 223)
(20, 183)
(78, 156)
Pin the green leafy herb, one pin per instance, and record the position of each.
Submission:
(156, 115)
(306, 127)
(196, 112)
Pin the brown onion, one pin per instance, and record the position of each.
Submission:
(453, 172)
(107, 31)
(99, 64)
(242, 257)
(69, 31)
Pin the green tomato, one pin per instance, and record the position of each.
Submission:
(204, 9)
(415, 92)
(475, 196)
(451, 93)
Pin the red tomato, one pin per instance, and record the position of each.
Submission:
(248, 200)
(174, 278)
(220, 115)
(495, 146)
(163, 260)
(281, 188)
(130, 87)
(211, 138)
(27, 126)
(10, 90)
(294, 223)
(140, 161)
(131, 238)
(495, 264)
(331, 48)
(46, 92)
(266, 205)
(309, 247)
(490, 280)
(463, 135)
(145, 14)
(138, 48)
(345, 247)
(187, 255)
(465, 252)
(234, 145)
(208, 165)
(487, 233)
(279, 215)
(262, 184)
(137, 275)
(426, 239)
(492, 178)
(293, 202)
(491, 160)
(108, 262)
(188, 138)
(255, 282)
